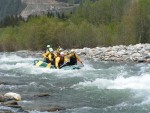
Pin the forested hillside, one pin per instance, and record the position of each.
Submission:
(10, 7)
(99, 23)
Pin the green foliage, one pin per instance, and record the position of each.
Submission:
(95, 23)
(101, 11)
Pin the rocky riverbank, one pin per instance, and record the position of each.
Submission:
(131, 53)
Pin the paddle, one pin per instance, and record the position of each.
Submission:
(63, 65)
(67, 62)
(82, 64)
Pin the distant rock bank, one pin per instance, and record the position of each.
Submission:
(131, 53)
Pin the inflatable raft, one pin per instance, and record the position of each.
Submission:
(43, 64)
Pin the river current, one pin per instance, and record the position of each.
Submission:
(99, 87)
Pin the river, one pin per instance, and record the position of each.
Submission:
(99, 87)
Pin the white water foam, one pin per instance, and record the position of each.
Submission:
(13, 66)
(14, 58)
(146, 101)
(26, 101)
(80, 109)
(87, 66)
(12, 87)
(31, 69)
(25, 66)
(7, 108)
(134, 82)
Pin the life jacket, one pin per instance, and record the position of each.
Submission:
(73, 59)
(46, 54)
(53, 56)
(61, 62)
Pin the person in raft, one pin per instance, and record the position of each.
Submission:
(47, 54)
(59, 49)
(60, 60)
(50, 58)
(73, 57)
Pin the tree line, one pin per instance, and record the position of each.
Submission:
(94, 23)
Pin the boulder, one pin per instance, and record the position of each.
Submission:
(5, 98)
(10, 103)
(13, 95)
(136, 55)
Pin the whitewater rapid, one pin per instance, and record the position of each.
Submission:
(99, 86)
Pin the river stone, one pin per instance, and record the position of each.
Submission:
(87, 50)
(54, 108)
(122, 52)
(10, 103)
(147, 48)
(136, 55)
(138, 45)
(42, 95)
(14, 106)
(3, 83)
(5, 99)
(148, 60)
(141, 60)
(82, 53)
(147, 52)
(13, 95)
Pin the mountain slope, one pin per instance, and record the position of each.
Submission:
(10, 7)
(34, 7)
(38, 7)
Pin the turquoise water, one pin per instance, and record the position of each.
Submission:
(99, 87)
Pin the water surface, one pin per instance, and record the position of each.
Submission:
(99, 87)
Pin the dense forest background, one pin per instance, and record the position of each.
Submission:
(94, 23)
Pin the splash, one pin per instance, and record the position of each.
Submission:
(14, 58)
(9, 62)
(134, 82)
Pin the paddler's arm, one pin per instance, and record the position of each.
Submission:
(45, 54)
(78, 58)
(66, 59)
(70, 55)
(57, 62)
(50, 57)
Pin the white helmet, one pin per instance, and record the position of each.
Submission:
(61, 49)
(50, 49)
(48, 46)
(72, 50)
(62, 53)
